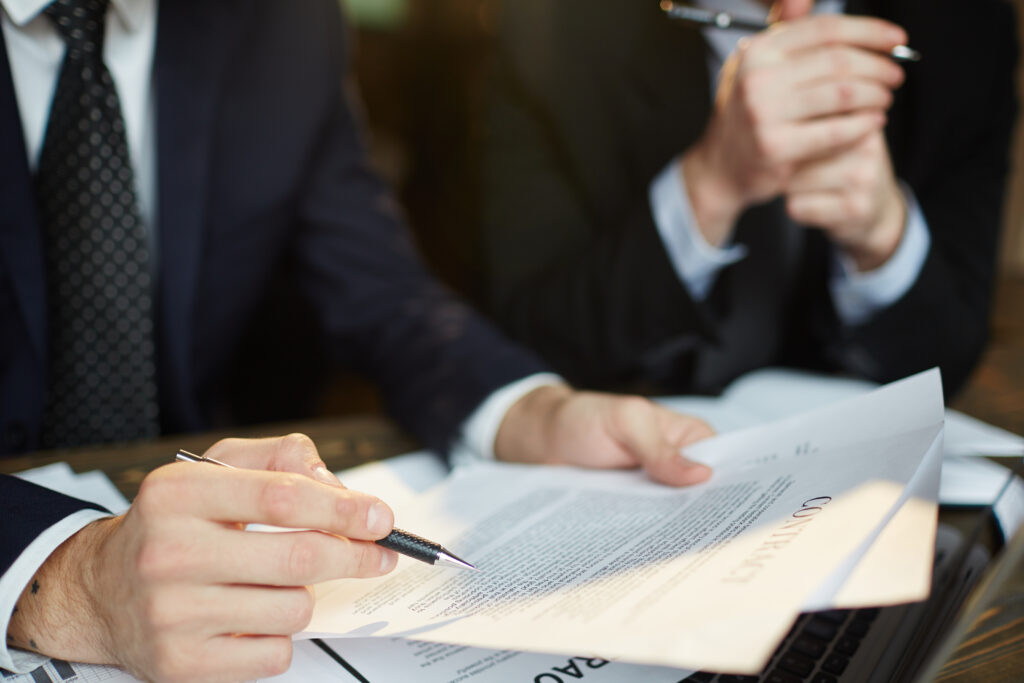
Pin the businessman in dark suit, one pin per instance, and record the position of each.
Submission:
(162, 170)
(643, 230)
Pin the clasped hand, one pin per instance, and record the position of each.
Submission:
(799, 112)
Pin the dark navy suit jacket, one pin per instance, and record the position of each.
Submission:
(262, 184)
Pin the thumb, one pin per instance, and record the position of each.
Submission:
(784, 10)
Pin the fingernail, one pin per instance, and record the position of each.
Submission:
(388, 560)
(324, 475)
(377, 519)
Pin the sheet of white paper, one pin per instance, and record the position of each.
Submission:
(93, 486)
(609, 564)
(772, 393)
(398, 479)
(399, 659)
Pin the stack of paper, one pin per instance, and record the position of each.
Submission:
(806, 512)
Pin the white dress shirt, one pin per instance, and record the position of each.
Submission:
(855, 295)
(35, 51)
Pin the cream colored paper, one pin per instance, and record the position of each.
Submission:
(611, 565)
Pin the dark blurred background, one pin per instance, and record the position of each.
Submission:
(421, 68)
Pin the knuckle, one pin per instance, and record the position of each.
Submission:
(840, 62)
(296, 443)
(151, 562)
(157, 491)
(633, 408)
(854, 205)
(860, 177)
(159, 611)
(368, 560)
(829, 27)
(279, 499)
(844, 95)
(346, 509)
(277, 657)
(301, 612)
(302, 560)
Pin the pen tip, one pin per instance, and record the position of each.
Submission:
(446, 558)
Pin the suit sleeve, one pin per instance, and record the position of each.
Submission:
(434, 358)
(955, 156)
(28, 510)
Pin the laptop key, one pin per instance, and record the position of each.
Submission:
(809, 646)
(777, 676)
(858, 627)
(796, 663)
(847, 645)
(822, 677)
(868, 613)
(820, 628)
(836, 616)
(835, 664)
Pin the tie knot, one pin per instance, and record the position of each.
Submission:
(81, 23)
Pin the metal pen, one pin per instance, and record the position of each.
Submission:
(400, 541)
(706, 17)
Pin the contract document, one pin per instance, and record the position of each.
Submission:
(833, 507)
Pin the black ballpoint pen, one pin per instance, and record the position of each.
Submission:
(400, 541)
(724, 20)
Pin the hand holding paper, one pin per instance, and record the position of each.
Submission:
(558, 426)
(609, 564)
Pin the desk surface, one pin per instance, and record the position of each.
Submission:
(994, 649)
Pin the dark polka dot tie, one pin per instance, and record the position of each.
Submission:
(102, 368)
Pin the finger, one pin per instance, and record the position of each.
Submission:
(282, 499)
(266, 611)
(291, 453)
(832, 98)
(842, 62)
(832, 173)
(819, 137)
(836, 29)
(818, 208)
(215, 609)
(640, 428)
(235, 658)
(783, 10)
(297, 558)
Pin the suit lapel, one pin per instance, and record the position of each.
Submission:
(20, 240)
(194, 40)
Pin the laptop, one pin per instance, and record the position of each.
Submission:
(901, 643)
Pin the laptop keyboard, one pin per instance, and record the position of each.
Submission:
(817, 650)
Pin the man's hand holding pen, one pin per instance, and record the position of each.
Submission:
(799, 112)
(176, 580)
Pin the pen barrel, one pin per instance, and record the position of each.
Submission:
(411, 545)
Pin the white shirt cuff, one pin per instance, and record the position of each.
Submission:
(14, 580)
(695, 261)
(480, 429)
(858, 296)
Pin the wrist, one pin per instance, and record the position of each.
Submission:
(715, 202)
(59, 613)
(883, 240)
(525, 429)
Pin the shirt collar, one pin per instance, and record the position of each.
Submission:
(131, 13)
